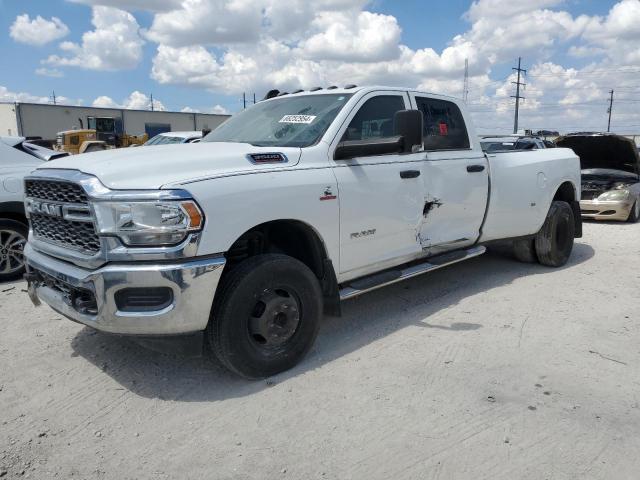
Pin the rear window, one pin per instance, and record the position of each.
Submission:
(444, 127)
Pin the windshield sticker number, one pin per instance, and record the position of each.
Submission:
(297, 119)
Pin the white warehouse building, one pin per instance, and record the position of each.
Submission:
(45, 120)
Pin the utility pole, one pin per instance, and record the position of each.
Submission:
(465, 92)
(610, 110)
(244, 101)
(152, 107)
(254, 98)
(53, 98)
(517, 95)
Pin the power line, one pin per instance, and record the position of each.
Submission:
(517, 96)
(465, 91)
(610, 110)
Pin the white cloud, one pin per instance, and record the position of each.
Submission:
(135, 101)
(150, 5)
(7, 95)
(38, 31)
(208, 22)
(363, 36)
(618, 33)
(219, 110)
(235, 46)
(49, 72)
(105, 102)
(484, 9)
(115, 44)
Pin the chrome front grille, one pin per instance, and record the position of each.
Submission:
(66, 232)
(53, 191)
(77, 235)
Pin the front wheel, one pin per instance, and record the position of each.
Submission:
(266, 316)
(554, 241)
(13, 238)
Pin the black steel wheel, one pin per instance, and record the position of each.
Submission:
(554, 241)
(13, 238)
(265, 316)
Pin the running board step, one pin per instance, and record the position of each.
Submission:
(388, 277)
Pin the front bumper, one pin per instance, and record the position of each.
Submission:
(192, 282)
(606, 210)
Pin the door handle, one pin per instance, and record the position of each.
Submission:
(409, 173)
(475, 168)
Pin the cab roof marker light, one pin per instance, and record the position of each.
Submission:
(297, 91)
(315, 89)
(350, 86)
(271, 94)
(332, 87)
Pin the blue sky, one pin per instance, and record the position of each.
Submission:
(187, 63)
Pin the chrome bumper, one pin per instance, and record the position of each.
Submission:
(192, 282)
(605, 210)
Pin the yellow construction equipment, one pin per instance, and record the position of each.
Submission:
(101, 135)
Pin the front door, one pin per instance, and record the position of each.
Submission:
(380, 196)
(456, 178)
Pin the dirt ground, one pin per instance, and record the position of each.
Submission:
(487, 369)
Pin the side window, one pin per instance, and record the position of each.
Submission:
(444, 127)
(375, 118)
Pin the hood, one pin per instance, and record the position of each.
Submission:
(11, 141)
(612, 152)
(606, 174)
(154, 167)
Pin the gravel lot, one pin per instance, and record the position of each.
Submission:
(486, 369)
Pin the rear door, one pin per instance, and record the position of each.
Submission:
(381, 196)
(456, 177)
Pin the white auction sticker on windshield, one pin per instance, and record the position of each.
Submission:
(297, 119)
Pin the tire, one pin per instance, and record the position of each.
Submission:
(13, 237)
(525, 250)
(554, 241)
(266, 316)
(634, 214)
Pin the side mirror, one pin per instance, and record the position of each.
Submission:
(409, 124)
(407, 134)
(370, 147)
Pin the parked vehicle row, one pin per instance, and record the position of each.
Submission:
(610, 175)
(17, 158)
(169, 138)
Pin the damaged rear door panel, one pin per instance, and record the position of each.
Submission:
(455, 176)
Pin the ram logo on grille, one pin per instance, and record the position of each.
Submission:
(49, 209)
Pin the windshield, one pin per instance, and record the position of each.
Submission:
(164, 140)
(297, 121)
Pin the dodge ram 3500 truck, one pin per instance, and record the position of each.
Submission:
(297, 203)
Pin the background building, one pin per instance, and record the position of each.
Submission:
(43, 120)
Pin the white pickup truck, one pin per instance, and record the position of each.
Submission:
(297, 203)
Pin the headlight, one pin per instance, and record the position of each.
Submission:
(148, 223)
(621, 194)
